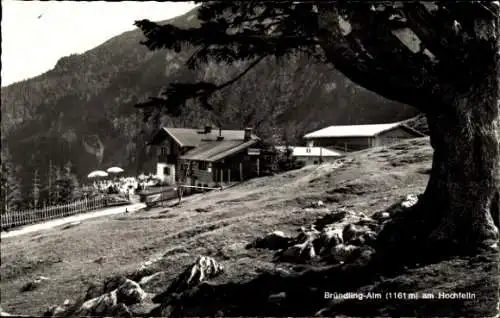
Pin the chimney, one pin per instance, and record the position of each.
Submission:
(208, 129)
(248, 134)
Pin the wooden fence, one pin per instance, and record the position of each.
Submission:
(18, 218)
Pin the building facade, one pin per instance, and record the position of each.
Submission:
(208, 157)
(358, 137)
(312, 155)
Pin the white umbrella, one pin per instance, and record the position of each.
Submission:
(97, 173)
(114, 170)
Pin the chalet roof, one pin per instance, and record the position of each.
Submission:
(212, 151)
(357, 130)
(312, 151)
(189, 137)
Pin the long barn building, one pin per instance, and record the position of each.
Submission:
(358, 137)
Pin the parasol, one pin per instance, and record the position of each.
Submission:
(114, 170)
(97, 173)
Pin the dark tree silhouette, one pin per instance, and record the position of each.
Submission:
(440, 57)
(9, 184)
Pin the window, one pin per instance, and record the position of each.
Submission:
(166, 171)
(202, 165)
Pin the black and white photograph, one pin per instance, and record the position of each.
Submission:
(250, 158)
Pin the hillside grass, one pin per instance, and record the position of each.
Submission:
(221, 224)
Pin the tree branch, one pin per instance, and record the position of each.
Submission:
(237, 78)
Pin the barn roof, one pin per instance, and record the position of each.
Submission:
(312, 151)
(357, 130)
(189, 137)
(212, 151)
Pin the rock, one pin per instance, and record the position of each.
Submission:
(304, 248)
(93, 291)
(365, 256)
(330, 236)
(114, 302)
(143, 309)
(113, 283)
(298, 253)
(318, 204)
(342, 253)
(274, 241)
(100, 306)
(59, 311)
(34, 284)
(204, 268)
(370, 237)
(381, 216)
(147, 281)
(4, 314)
(330, 219)
(277, 297)
(409, 201)
(55, 311)
(352, 232)
(367, 221)
(130, 292)
(122, 311)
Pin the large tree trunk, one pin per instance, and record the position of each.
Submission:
(462, 196)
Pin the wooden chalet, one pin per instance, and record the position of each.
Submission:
(207, 157)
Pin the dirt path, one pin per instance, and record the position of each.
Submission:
(70, 219)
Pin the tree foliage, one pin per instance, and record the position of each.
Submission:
(366, 44)
(67, 186)
(10, 186)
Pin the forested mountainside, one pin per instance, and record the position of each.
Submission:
(82, 111)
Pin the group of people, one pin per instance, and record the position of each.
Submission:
(124, 185)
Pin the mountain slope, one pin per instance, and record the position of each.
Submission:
(82, 110)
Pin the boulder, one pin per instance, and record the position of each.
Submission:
(114, 302)
(409, 201)
(4, 314)
(99, 306)
(204, 268)
(277, 297)
(121, 311)
(274, 241)
(363, 256)
(304, 247)
(330, 236)
(342, 253)
(34, 284)
(330, 219)
(298, 253)
(149, 282)
(59, 311)
(130, 292)
(354, 233)
(318, 204)
(55, 311)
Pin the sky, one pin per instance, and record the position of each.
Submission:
(36, 34)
